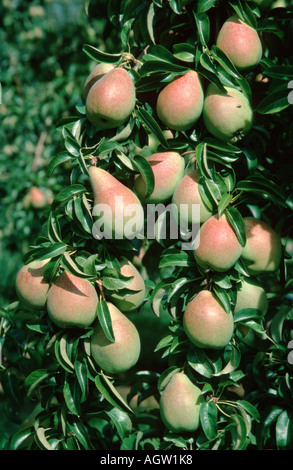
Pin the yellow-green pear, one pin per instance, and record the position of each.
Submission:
(218, 247)
(31, 287)
(72, 301)
(98, 71)
(263, 249)
(180, 404)
(130, 301)
(206, 323)
(240, 42)
(122, 214)
(250, 294)
(122, 354)
(179, 104)
(227, 116)
(185, 195)
(168, 169)
(111, 99)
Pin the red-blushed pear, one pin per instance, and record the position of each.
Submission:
(31, 287)
(128, 302)
(72, 301)
(179, 104)
(122, 354)
(122, 212)
(187, 194)
(240, 42)
(111, 100)
(180, 403)
(263, 249)
(168, 169)
(206, 323)
(227, 115)
(219, 247)
(250, 294)
(98, 71)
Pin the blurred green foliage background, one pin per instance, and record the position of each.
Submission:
(43, 69)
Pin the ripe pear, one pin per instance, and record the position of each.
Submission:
(111, 100)
(98, 71)
(180, 102)
(218, 248)
(180, 404)
(250, 294)
(123, 212)
(130, 301)
(187, 193)
(123, 353)
(227, 116)
(31, 288)
(263, 249)
(72, 301)
(206, 323)
(240, 42)
(168, 169)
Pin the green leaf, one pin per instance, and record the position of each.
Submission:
(121, 421)
(146, 171)
(62, 354)
(83, 213)
(205, 5)
(154, 66)
(58, 160)
(82, 377)
(236, 220)
(151, 125)
(109, 392)
(203, 27)
(159, 53)
(34, 379)
(19, 439)
(284, 436)
(70, 265)
(224, 203)
(101, 56)
(238, 432)
(72, 399)
(67, 193)
(104, 318)
(274, 102)
(208, 418)
(223, 297)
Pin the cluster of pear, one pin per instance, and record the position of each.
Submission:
(110, 96)
(72, 302)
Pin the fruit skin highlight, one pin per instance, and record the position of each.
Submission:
(121, 204)
(111, 100)
(187, 192)
(227, 116)
(180, 102)
(240, 42)
(122, 354)
(72, 302)
(206, 323)
(31, 288)
(263, 249)
(168, 169)
(98, 72)
(250, 294)
(219, 248)
(180, 404)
